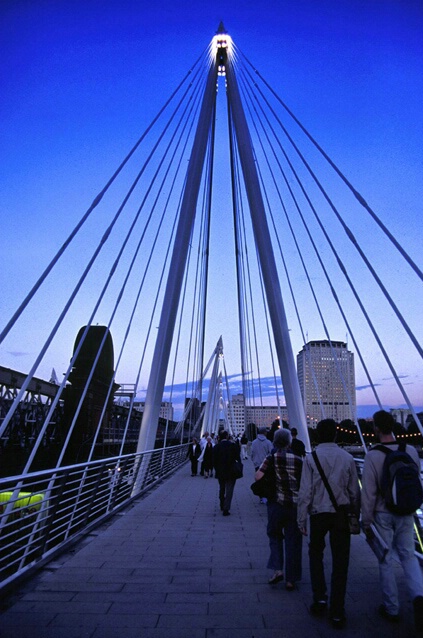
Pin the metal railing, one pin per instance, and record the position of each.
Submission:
(44, 512)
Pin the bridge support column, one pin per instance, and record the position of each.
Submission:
(267, 260)
(162, 349)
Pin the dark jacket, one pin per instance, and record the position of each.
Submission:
(297, 447)
(225, 453)
(208, 457)
(193, 453)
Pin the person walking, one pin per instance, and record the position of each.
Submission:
(193, 454)
(273, 428)
(203, 441)
(225, 453)
(285, 539)
(313, 498)
(244, 443)
(397, 530)
(297, 446)
(260, 448)
(207, 458)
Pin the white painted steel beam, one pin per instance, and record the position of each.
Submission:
(162, 349)
(267, 260)
(277, 314)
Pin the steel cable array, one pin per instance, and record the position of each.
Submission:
(308, 200)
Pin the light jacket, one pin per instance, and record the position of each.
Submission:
(260, 448)
(340, 470)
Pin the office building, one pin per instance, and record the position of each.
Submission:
(327, 381)
(166, 409)
(260, 415)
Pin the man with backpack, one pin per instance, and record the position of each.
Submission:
(391, 493)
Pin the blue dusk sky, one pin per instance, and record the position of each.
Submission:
(81, 79)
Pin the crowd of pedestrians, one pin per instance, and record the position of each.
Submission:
(324, 491)
(316, 496)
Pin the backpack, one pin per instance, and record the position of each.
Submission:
(400, 485)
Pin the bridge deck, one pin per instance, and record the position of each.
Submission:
(171, 566)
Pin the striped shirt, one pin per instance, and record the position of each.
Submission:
(288, 469)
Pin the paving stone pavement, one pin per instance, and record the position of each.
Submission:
(171, 566)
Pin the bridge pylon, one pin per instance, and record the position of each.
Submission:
(221, 63)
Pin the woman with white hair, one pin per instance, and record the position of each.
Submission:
(285, 539)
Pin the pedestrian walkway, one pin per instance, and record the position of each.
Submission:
(171, 566)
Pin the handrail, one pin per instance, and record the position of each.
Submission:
(54, 508)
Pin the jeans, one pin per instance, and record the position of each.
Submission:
(226, 490)
(320, 525)
(398, 533)
(283, 533)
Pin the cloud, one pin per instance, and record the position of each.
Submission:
(267, 384)
(18, 354)
(365, 387)
(237, 375)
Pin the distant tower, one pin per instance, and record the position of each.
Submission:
(239, 412)
(327, 381)
(93, 403)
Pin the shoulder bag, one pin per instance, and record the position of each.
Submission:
(237, 470)
(266, 486)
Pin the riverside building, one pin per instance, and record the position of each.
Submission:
(327, 381)
(260, 415)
